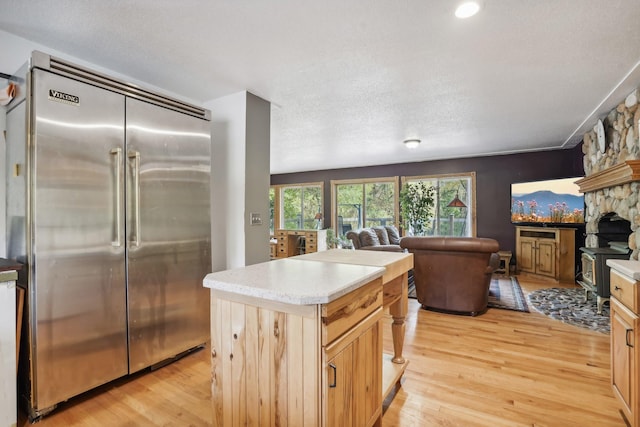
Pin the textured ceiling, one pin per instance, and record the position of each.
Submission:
(348, 81)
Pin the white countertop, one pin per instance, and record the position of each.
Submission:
(294, 281)
(395, 263)
(627, 267)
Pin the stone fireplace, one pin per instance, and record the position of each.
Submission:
(611, 187)
(612, 178)
(615, 199)
(613, 229)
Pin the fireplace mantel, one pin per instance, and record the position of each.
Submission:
(622, 173)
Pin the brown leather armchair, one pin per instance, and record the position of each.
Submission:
(453, 274)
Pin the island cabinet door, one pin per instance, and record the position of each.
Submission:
(265, 364)
(352, 379)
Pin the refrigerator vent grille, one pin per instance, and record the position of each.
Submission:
(97, 79)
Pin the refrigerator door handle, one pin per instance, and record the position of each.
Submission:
(117, 226)
(134, 156)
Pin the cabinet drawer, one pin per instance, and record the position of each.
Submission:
(625, 290)
(342, 314)
(281, 234)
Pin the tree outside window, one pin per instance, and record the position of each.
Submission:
(416, 206)
(451, 219)
(364, 203)
(272, 205)
(300, 204)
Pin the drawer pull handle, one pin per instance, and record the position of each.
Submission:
(626, 337)
(335, 375)
(615, 288)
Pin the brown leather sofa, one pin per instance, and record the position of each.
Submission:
(380, 238)
(452, 274)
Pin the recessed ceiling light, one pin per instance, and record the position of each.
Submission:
(411, 143)
(467, 9)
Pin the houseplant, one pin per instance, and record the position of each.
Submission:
(334, 241)
(416, 206)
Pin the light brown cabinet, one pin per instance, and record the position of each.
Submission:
(300, 365)
(353, 370)
(299, 242)
(548, 252)
(625, 355)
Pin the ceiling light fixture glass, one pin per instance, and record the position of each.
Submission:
(411, 143)
(467, 9)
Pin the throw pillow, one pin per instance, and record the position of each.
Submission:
(381, 232)
(368, 237)
(394, 236)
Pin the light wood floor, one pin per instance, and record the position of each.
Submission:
(503, 368)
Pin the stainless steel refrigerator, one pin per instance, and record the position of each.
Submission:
(108, 208)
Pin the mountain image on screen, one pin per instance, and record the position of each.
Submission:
(537, 202)
(545, 198)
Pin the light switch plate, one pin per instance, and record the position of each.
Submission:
(256, 219)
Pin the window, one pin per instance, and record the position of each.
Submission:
(451, 218)
(364, 203)
(294, 207)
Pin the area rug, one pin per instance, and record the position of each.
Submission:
(506, 293)
(568, 306)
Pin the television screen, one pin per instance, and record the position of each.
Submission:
(555, 201)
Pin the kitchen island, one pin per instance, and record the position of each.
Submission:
(395, 288)
(298, 342)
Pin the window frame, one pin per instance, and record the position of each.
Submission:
(472, 193)
(334, 194)
(278, 211)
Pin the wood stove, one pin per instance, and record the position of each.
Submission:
(595, 271)
(613, 236)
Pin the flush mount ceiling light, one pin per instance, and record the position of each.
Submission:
(411, 143)
(467, 9)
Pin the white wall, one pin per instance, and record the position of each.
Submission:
(240, 129)
(228, 116)
(15, 52)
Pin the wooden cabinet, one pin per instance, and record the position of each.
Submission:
(300, 242)
(548, 252)
(625, 355)
(352, 358)
(353, 370)
(299, 365)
